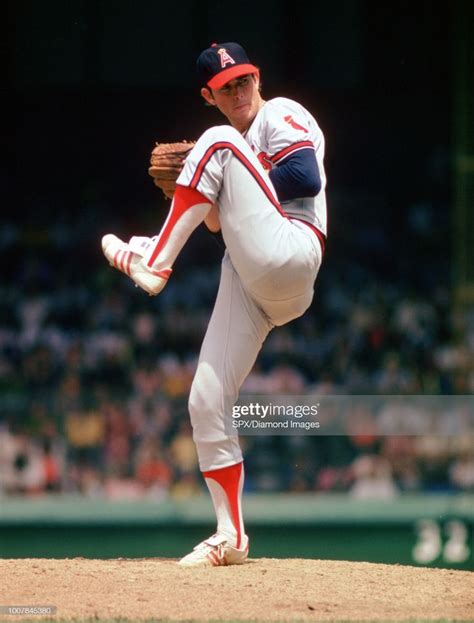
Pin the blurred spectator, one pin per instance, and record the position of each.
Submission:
(186, 485)
(152, 469)
(461, 471)
(22, 465)
(373, 479)
(94, 378)
(183, 450)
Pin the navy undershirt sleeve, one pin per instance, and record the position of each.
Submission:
(297, 176)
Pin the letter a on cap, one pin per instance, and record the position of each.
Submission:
(226, 58)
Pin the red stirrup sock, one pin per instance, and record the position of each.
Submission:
(188, 210)
(225, 486)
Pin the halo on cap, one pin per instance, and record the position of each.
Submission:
(222, 62)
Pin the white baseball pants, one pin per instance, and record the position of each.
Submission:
(267, 279)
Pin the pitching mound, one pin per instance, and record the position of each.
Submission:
(263, 589)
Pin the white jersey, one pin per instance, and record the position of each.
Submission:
(280, 128)
(273, 254)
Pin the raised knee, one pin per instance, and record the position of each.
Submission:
(222, 133)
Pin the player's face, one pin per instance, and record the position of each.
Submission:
(239, 100)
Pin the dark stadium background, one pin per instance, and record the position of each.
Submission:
(92, 84)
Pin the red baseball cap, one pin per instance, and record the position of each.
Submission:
(222, 62)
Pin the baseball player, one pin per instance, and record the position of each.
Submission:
(261, 181)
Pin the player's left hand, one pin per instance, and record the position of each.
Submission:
(167, 161)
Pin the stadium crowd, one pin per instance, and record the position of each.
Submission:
(94, 375)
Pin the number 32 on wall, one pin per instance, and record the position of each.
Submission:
(430, 546)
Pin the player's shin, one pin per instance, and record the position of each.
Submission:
(225, 486)
(188, 210)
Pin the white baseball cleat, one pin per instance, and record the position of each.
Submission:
(121, 256)
(214, 552)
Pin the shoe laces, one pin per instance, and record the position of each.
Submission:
(215, 552)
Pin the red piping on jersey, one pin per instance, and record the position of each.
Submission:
(229, 480)
(244, 160)
(183, 199)
(253, 171)
(290, 149)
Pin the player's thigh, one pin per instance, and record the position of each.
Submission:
(254, 229)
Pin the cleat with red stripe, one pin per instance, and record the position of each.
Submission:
(132, 264)
(119, 254)
(216, 552)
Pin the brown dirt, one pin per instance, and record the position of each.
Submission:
(263, 589)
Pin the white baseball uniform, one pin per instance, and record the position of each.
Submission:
(273, 255)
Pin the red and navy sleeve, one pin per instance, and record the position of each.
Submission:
(290, 140)
(297, 175)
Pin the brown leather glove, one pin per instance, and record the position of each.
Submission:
(167, 162)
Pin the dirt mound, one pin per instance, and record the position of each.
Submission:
(263, 589)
